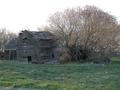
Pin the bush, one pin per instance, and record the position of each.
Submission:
(99, 60)
(65, 58)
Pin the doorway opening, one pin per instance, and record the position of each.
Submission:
(29, 58)
(53, 56)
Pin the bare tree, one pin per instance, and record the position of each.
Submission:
(88, 29)
(64, 25)
(5, 37)
(99, 31)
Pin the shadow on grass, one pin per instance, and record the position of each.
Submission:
(115, 62)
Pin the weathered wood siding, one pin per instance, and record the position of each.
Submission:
(35, 47)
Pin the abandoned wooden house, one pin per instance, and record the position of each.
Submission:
(33, 46)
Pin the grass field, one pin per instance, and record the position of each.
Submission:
(60, 77)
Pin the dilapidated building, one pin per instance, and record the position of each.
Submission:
(33, 46)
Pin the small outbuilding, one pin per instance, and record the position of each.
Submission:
(10, 50)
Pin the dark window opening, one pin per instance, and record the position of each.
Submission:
(20, 34)
(25, 38)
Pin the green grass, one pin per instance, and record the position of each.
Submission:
(116, 60)
(15, 76)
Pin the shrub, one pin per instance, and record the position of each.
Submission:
(65, 58)
(99, 60)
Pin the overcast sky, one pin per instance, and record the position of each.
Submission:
(17, 15)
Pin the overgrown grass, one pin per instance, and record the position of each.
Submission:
(15, 76)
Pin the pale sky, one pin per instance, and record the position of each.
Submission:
(17, 15)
